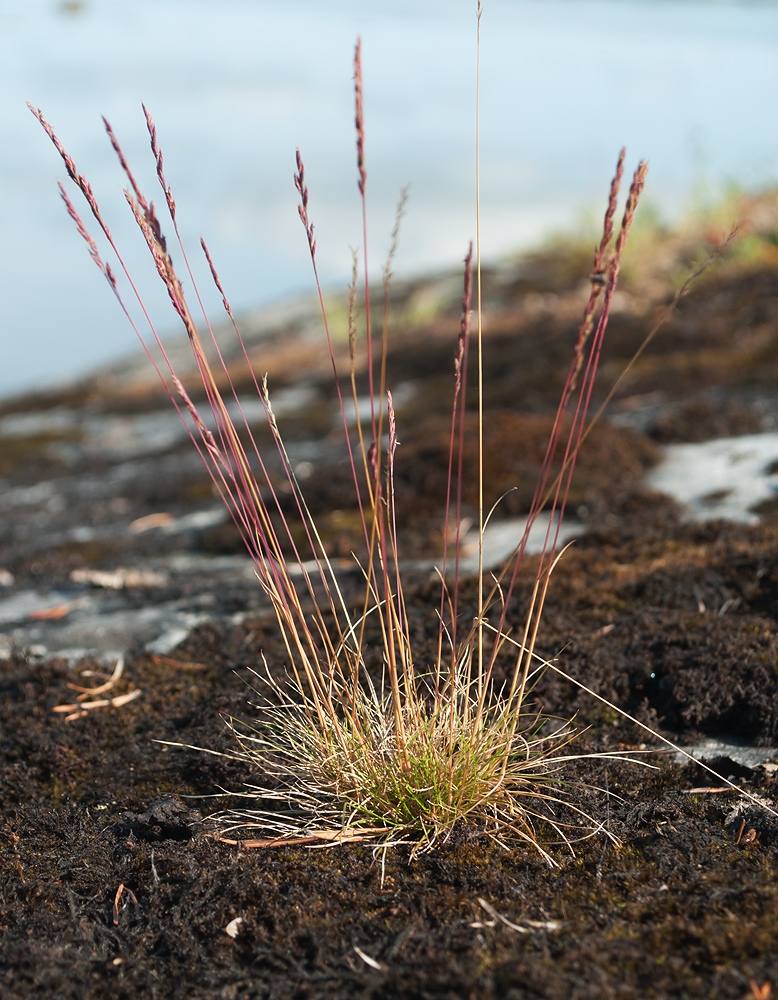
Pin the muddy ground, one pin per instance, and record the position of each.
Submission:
(110, 886)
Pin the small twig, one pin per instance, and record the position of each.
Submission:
(101, 688)
(123, 888)
(168, 661)
(80, 709)
(57, 612)
(319, 838)
(545, 925)
(369, 961)
(707, 791)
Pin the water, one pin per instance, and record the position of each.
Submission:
(236, 86)
(724, 478)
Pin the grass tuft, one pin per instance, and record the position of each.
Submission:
(332, 787)
(342, 754)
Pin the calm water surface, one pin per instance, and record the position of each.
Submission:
(236, 86)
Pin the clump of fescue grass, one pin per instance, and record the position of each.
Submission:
(336, 786)
(406, 757)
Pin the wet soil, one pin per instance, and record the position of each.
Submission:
(109, 883)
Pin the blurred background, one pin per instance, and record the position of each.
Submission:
(235, 87)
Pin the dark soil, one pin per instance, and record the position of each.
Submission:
(109, 883)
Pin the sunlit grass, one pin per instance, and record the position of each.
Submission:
(338, 754)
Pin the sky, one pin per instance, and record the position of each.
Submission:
(236, 86)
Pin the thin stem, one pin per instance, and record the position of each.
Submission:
(480, 653)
